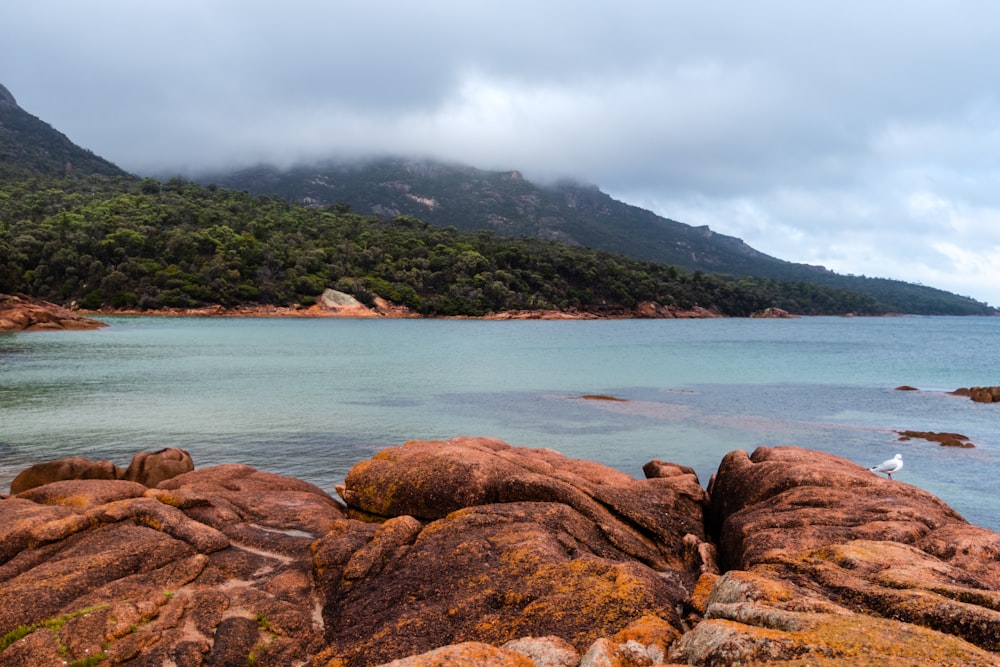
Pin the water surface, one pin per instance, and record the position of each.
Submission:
(311, 397)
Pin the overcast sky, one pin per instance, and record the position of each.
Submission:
(863, 136)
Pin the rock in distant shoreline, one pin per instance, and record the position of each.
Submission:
(22, 313)
(471, 551)
(980, 394)
(977, 394)
(337, 306)
(773, 313)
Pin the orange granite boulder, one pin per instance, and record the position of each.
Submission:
(146, 468)
(496, 543)
(832, 564)
(467, 653)
(788, 499)
(491, 573)
(646, 519)
(73, 467)
(214, 570)
(151, 468)
(22, 313)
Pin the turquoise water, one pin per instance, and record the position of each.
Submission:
(310, 398)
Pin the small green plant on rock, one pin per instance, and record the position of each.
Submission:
(54, 624)
(262, 622)
(19, 632)
(90, 660)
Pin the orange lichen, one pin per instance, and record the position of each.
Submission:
(649, 630)
(702, 589)
(859, 636)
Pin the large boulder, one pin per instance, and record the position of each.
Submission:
(646, 519)
(492, 574)
(830, 563)
(212, 568)
(151, 468)
(789, 499)
(146, 468)
(72, 467)
(487, 543)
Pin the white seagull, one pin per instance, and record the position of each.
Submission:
(895, 464)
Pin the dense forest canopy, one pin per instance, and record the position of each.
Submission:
(470, 199)
(128, 243)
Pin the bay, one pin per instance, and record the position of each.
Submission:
(311, 397)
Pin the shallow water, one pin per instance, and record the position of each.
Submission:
(310, 398)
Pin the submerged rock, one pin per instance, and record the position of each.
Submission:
(943, 439)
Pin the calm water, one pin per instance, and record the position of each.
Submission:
(309, 398)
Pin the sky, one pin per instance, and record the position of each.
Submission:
(861, 136)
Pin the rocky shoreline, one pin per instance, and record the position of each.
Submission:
(21, 313)
(18, 313)
(384, 309)
(471, 551)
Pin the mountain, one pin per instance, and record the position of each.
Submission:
(467, 198)
(31, 147)
(470, 199)
(46, 202)
(75, 229)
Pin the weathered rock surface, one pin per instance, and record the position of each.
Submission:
(73, 467)
(21, 313)
(831, 564)
(501, 543)
(645, 519)
(151, 468)
(210, 568)
(147, 468)
(470, 551)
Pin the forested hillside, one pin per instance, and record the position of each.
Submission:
(127, 243)
(29, 146)
(506, 203)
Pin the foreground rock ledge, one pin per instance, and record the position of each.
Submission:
(470, 551)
